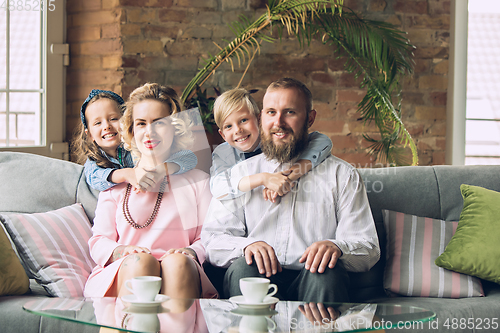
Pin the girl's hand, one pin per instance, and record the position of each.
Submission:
(148, 178)
(185, 250)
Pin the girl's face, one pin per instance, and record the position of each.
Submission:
(103, 124)
(153, 131)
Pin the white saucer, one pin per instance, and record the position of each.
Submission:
(254, 312)
(240, 301)
(133, 300)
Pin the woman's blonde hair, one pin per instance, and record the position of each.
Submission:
(183, 137)
(83, 147)
(231, 101)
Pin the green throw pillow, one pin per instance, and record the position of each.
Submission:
(13, 278)
(474, 249)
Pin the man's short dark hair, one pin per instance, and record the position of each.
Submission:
(287, 83)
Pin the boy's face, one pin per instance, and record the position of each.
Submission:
(103, 123)
(241, 130)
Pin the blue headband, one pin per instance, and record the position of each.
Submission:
(92, 94)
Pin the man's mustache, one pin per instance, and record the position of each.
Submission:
(281, 130)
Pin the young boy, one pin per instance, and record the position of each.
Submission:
(236, 114)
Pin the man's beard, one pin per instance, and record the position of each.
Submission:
(286, 151)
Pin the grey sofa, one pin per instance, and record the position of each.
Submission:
(31, 183)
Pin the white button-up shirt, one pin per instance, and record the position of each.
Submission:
(328, 203)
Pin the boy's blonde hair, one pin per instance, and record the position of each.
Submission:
(183, 137)
(231, 101)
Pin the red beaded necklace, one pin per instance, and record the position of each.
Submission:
(126, 211)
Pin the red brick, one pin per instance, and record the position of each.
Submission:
(111, 30)
(432, 52)
(350, 95)
(377, 5)
(323, 79)
(96, 77)
(85, 62)
(153, 31)
(429, 22)
(150, 76)
(412, 98)
(347, 111)
(411, 7)
(336, 64)
(430, 112)
(358, 160)
(433, 82)
(438, 7)
(84, 33)
(103, 46)
(328, 126)
(438, 158)
(95, 18)
(130, 61)
(438, 98)
(344, 142)
(348, 80)
(172, 15)
(441, 67)
(422, 66)
(147, 3)
(286, 63)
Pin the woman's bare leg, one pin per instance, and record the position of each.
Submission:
(137, 264)
(180, 280)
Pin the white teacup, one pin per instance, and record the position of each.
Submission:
(254, 324)
(254, 289)
(145, 288)
(145, 322)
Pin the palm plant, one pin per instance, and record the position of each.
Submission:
(375, 51)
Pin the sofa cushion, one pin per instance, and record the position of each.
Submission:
(53, 248)
(474, 248)
(413, 243)
(32, 183)
(13, 279)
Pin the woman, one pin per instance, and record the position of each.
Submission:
(157, 232)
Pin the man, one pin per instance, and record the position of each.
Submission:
(307, 240)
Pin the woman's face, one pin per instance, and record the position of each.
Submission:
(153, 131)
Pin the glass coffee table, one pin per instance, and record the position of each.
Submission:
(213, 315)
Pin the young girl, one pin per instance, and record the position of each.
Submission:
(156, 232)
(98, 143)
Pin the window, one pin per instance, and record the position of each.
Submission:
(31, 100)
(482, 139)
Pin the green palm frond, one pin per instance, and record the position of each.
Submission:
(375, 51)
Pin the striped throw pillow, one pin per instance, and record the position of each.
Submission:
(53, 248)
(413, 243)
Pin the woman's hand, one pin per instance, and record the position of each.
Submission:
(184, 250)
(124, 250)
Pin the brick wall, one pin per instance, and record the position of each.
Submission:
(121, 44)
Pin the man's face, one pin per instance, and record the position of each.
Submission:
(284, 124)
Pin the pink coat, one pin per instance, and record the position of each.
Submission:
(178, 224)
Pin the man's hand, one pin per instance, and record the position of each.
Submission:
(264, 257)
(320, 255)
(317, 314)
